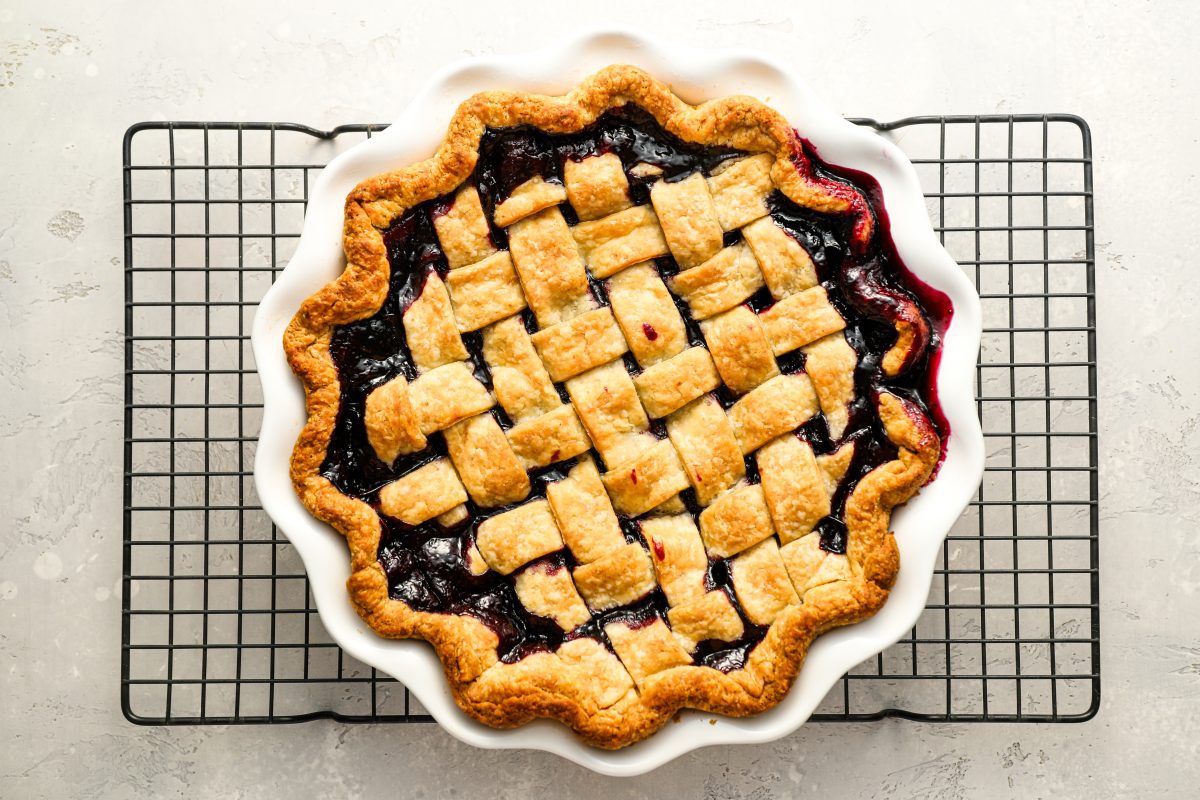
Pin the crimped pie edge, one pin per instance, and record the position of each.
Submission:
(532, 688)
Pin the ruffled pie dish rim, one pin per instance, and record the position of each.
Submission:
(503, 694)
(920, 525)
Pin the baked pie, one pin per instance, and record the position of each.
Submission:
(613, 401)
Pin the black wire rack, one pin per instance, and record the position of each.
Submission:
(218, 622)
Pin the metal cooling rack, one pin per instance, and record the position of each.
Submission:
(219, 625)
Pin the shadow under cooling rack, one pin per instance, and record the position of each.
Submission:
(219, 625)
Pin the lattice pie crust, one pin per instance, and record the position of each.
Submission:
(618, 687)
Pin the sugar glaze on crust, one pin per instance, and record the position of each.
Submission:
(575, 690)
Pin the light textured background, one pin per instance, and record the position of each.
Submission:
(74, 75)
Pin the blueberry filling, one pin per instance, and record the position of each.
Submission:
(426, 565)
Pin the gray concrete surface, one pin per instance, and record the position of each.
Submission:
(74, 74)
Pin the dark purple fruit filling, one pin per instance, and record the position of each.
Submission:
(426, 565)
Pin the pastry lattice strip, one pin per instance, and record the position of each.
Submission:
(765, 529)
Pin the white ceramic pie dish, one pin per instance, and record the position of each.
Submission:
(696, 75)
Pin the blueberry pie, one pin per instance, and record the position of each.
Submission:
(613, 401)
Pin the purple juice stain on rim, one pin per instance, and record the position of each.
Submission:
(936, 304)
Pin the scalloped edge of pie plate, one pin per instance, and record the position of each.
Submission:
(695, 74)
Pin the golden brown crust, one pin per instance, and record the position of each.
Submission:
(572, 688)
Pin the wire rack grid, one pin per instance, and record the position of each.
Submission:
(219, 625)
